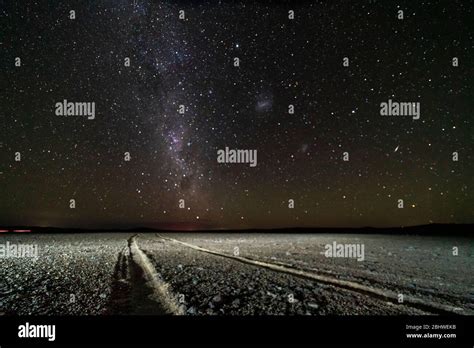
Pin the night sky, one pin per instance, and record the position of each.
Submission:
(190, 62)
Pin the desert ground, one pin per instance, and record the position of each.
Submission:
(197, 273)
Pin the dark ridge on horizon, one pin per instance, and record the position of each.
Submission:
(428, 229)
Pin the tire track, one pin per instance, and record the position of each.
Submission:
(119, 302)
(138, 288)
(385, 284)
(386, 295)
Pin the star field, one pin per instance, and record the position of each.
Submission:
(182, 97)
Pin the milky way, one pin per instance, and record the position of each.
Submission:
(169, 94)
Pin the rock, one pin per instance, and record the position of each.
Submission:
(217, 298)
(191, 310)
